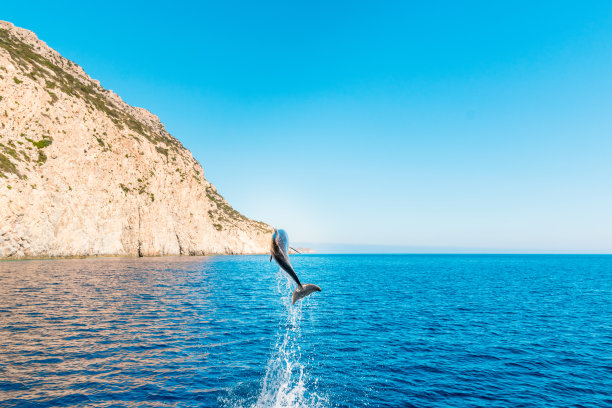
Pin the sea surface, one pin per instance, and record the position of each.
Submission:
(385, 331)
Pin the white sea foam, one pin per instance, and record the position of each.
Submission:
(286, 382)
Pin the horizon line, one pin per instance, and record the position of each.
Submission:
(455, 253)
(345, 248)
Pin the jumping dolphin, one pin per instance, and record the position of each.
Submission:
(280, 252)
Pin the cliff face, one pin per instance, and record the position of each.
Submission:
(83, 173)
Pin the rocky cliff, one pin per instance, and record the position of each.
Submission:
(83, 173)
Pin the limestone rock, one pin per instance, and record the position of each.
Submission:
(83, 173)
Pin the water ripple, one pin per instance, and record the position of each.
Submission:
(412, 331)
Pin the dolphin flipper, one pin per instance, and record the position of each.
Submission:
(303, 291)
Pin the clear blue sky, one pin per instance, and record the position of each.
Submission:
(480, 125)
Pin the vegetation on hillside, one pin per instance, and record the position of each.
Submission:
(56, 78)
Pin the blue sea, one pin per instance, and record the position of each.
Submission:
(385, 331)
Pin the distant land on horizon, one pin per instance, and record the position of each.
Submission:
(340, 248)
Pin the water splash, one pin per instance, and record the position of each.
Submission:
(286, 382)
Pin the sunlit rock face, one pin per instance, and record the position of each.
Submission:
(83, 173)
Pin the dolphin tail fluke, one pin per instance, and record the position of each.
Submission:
(303, 291)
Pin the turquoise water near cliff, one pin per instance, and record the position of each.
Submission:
(386, 330)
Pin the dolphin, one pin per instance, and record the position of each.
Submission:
(280, 252)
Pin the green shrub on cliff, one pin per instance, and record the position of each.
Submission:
(7, 166)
